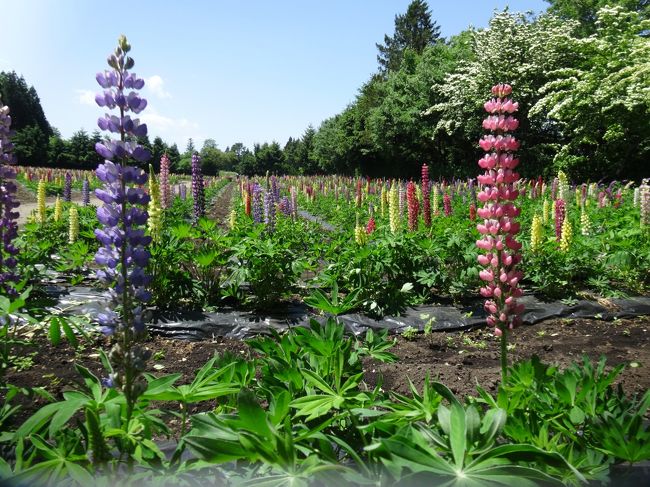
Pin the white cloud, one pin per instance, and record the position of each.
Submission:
(86, 97)
(155, 84)
(157, 122)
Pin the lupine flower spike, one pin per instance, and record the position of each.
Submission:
(67, 188)
(41, 215)
(232, 219)
(393, 209)
(644, 204)
(435, 204)
(536, 233)
(585, 224)
(85, 192)
(8, 203)
(198, 189)
(58, 209)
(165, 189)
(413, 206)
(498, 193)
(567, 235)
(155, 211)
(560, 214)
(446, 204)
(426, 196)
(73, 225)
(123, 255)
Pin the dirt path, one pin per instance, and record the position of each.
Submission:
(27, 207)
(221, 205)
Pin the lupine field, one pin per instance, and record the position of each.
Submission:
(101, 398)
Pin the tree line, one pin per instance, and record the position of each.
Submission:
(580, 72)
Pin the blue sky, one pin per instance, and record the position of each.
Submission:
(234, 71)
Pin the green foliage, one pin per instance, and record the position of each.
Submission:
(300, 413)
(609, 80)
(414, 30)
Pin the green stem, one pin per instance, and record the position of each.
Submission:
(504, 353)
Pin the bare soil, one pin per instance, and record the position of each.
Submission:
(459, 360)
(221, 205)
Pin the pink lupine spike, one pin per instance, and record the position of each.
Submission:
(497, 193)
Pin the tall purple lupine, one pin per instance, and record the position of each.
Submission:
(123, 254)
(85, 192)
(8, 203)
(269, 211)
(67, 187)
(165, 190)
(258, 204)
(198, 189)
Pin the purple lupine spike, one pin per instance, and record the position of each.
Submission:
(67, 187)
(182, 192)
(165, 191)
(123, 255)
(85, 192)
(8, 203)
(275, 190)
(198, 189)
(120, 189)
(472, 192)
(269, 212)
(258, 205)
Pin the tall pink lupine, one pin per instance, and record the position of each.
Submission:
(501, 258)
(426, 199)
(165, 189)
(413, 206)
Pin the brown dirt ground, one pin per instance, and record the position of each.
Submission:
(459, 360)
(220, 210)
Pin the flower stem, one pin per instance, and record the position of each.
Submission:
(504, 353)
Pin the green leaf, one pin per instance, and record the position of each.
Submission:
(36, 421)
(160, 385)
(69, 334)
(493, 422)
(577, 415)
(458, 435)
(54, 331)
(252, 416)
(317, 381)
(79, 474)
(315, 406)
(73, 402)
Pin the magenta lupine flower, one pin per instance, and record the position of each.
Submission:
(426, 199)
(198, 189)
(446, 203)
(165, 189)
(498, 192)
(413, 206)
(560, 214)
(67, 187)
(8, 203)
